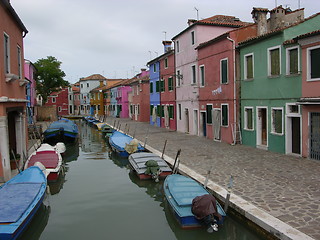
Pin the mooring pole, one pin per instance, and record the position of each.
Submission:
(176, 162)
(207, 178)
(164, 147)
(226, 204)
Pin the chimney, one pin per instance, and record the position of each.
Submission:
(191, 21)
(167, 46)
(259, 16)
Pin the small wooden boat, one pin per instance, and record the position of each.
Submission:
(21, 198)
(107, 130)
(124, 144)
(149, 165)
(63, 130)
(179, 192)
(51, 159)
(99, 125)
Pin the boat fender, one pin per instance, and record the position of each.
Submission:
(42, 168)
(60, 147)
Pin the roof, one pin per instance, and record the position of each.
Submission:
(161, 56)
(110, 83)
(13, 14)
(94, 77)
(217, 20)
(272, 33)
(306, 35)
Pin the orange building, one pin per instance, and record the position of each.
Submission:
(13, 130)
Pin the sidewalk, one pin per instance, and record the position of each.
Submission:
(278, 192)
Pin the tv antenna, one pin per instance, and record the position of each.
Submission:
(197, 12)
(165, 35)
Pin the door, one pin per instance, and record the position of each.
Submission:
(203, 124)
(314, 135)
(216, 121)
(262, 128)
(187, 119)
(195, 122)
(295, 129)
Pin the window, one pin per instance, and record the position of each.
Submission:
(81, 85)
(313, 62)
(59, 109)
(193, 72)
(162, 85)
(276, 121)
(170, 83)
(179, 111)
(159, 110)
(192, 38)
(166, 63)
(178, 78)
(19, 62)
(224, 71)
(248, 66)
(6, 54)
(177, 46)
(151, 87)
(53, 100)
(292, 60)
(274, 61)
(248, 118)
(154, 67)
(87, 85)
(202, 76)
(171, 112)
(209, 114)
(224, 115)
(157, 86)
(151, 110)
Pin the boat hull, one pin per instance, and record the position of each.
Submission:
(15, 220)
(63, 130)
(118, 141)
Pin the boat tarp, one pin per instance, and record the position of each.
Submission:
(49, 159)
(16, 199)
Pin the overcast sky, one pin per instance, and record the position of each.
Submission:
(116, 38)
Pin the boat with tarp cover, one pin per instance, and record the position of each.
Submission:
(123, 144)
(21, 198)
(179, 191)
(63, 130)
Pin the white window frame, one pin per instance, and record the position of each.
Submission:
(245, 66)
(202, 77)
(59, 109)
(272, 121)
(166, 63)
(193, 74)
(224, 104)
(193, 38)
(245, 127)
(154, 68)
(221, 70)
(309, 64)
(288, 60)
(269, 60)
(19, 56)
(6, 48)
(53, 99)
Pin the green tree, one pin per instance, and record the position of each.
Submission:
(49, 76)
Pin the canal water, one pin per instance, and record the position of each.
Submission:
(100, 198)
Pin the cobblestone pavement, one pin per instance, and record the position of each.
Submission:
(286, 187)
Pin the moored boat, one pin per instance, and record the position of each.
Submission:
(51, 159)
(21, 198)
(179, 191)
(124, 144)
(149, 165)
(63, 130)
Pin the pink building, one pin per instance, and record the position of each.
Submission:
(13, 121)
(310, 100)
(29, 73)
(218, 91)
(186, 64)
(122, 98)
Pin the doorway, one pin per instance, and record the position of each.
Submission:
(195, 122)
(262, 127)
(216, 121)
(186, 110)
(203, 126)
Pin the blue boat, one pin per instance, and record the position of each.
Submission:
(179, 192)
(123, 144)
(21, 198)
(63, 130)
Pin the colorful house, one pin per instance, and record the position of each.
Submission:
(73, 99)
(218, 86)
(13, 119)
(310, 99)
(271, 80)
(186, 64)
(154, 68)
(29, 73)
(59, 99)
(139, 97)
(167, 87)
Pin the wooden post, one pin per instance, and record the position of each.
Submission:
(164, 147)
(176, 162)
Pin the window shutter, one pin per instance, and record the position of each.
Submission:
(209, 114)
(315, 61)
(294, 61)
(249, 67)
(224, 71)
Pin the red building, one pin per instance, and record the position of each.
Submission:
(167, 88)
(218, 88)
(60, 100)
(139, 97)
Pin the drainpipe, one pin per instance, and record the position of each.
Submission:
(234, 87)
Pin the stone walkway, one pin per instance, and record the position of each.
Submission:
(286, 187)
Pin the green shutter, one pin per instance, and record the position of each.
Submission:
(157, 86)
(249, 118)
(277, 121)
(224, 71)
(293, 61)
(275, 61)
(170, 83)
(171, 109)
(249, 67)
(209, 114)
(315, 62)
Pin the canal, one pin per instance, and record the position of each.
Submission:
(99, 198)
